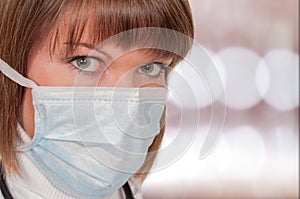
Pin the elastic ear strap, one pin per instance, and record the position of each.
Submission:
(15, 76)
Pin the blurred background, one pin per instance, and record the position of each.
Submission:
(254, 45)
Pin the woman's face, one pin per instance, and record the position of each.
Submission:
(89, 66)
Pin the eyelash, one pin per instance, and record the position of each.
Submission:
(162, 66)
(83, 72)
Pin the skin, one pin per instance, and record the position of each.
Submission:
(116, 68)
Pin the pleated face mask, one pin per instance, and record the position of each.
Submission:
(90, 140)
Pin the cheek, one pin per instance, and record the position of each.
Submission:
(144, 81)
(45, 71)
(35, 62)
(116, 78)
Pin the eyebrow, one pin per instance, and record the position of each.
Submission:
(90, 46)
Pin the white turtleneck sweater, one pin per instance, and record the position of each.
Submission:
(33, 184)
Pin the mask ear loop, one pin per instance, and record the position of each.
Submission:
(12, 74)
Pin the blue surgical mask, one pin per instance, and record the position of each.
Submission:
(89, 141)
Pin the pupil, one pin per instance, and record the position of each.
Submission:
(84, 63)
(148, 68)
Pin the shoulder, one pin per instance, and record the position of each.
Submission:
(1, 196)
(136, 188)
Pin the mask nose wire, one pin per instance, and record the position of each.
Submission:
(15, 76)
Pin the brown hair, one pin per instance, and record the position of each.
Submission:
(36, 20)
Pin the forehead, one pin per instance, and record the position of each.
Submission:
(116, 46)
(92, 24)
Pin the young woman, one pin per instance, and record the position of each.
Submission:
(79, 84)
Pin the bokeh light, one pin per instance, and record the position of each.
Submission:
(240, 88)
(283, 93)
(262, 78)
(254, 46)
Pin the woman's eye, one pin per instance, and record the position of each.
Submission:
(152, 70)
(87, 64)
